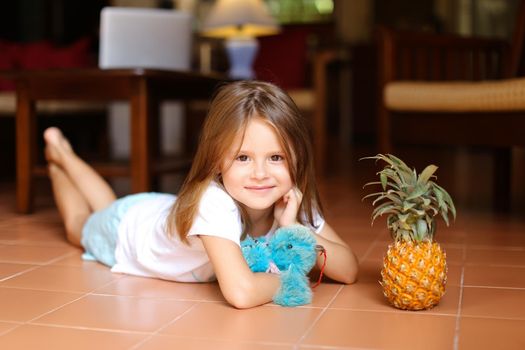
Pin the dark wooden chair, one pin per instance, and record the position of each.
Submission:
(451, 90)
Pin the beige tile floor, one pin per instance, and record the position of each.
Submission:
(51, 299)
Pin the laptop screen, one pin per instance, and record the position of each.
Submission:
(145, 38)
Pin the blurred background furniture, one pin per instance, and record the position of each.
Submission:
(45, 34)
(137, 40)
(306, 60)
(62, 35)
(452, 90)
(239, 22)
(147, 38)
(143, 88)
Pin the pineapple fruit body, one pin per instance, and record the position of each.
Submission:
(414, 275)
(414, 271)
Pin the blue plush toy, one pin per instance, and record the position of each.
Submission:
(291, 252)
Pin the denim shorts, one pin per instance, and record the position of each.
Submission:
(100, 232)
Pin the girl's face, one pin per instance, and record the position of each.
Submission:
(256, 174)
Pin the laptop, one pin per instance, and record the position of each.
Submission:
(145, 38)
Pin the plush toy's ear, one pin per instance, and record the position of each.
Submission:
(293, 245)
(256, 253)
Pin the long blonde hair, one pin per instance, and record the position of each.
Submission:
(231, 109)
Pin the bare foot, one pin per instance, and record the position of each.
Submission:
(57, 146)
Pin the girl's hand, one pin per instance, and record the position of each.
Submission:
(285, 210)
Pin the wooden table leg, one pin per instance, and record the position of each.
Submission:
(319, 128)
(140, 137)
(154, 145)
(502, 180)
(25, 149)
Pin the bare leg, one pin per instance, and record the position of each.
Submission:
(71, 204)
(93, 188)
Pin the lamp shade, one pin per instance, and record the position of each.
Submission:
(239, 18)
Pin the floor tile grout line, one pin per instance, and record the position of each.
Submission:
(331, 301)
(510, 248)
(117, 278)
(222, 340)
(495, 265)
(393, 310)
(82, 295)
(54, 309)
(39, 264)
(18, 325)
(22, 262)
(58, 258)
(178, 317)
(333, 347)
(457, 330)
(370, 247)
(109, 330)
(38, 244)
(29, 322)
(491, 248)
(123, 276)
(54, 290)
(494, 317)
(47, 290)
(94, 293)
(34, 267)
(323, 311)
(492, 287)
(157, 298)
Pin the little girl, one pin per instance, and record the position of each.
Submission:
(252, 173)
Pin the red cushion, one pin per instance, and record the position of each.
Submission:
(8, 57)
(282, 58)
(42, 55)
(35, 55)
(73, 56)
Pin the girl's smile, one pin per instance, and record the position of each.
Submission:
(259, 188)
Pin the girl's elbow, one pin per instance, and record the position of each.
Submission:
(239, 301)
(239, 296)
(350, 278)
(240, 304)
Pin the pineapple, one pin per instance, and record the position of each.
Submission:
(414, 272)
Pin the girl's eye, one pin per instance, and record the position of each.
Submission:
(276, 158)
(242, 158)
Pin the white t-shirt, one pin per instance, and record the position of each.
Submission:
(144, 248)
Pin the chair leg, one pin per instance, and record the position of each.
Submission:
(25, 151)
(141, 143)
(502, 177)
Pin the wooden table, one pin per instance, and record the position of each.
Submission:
(143, 88)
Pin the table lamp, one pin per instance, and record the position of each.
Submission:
(239, 22)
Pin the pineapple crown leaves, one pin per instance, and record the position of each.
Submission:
(410, 200)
